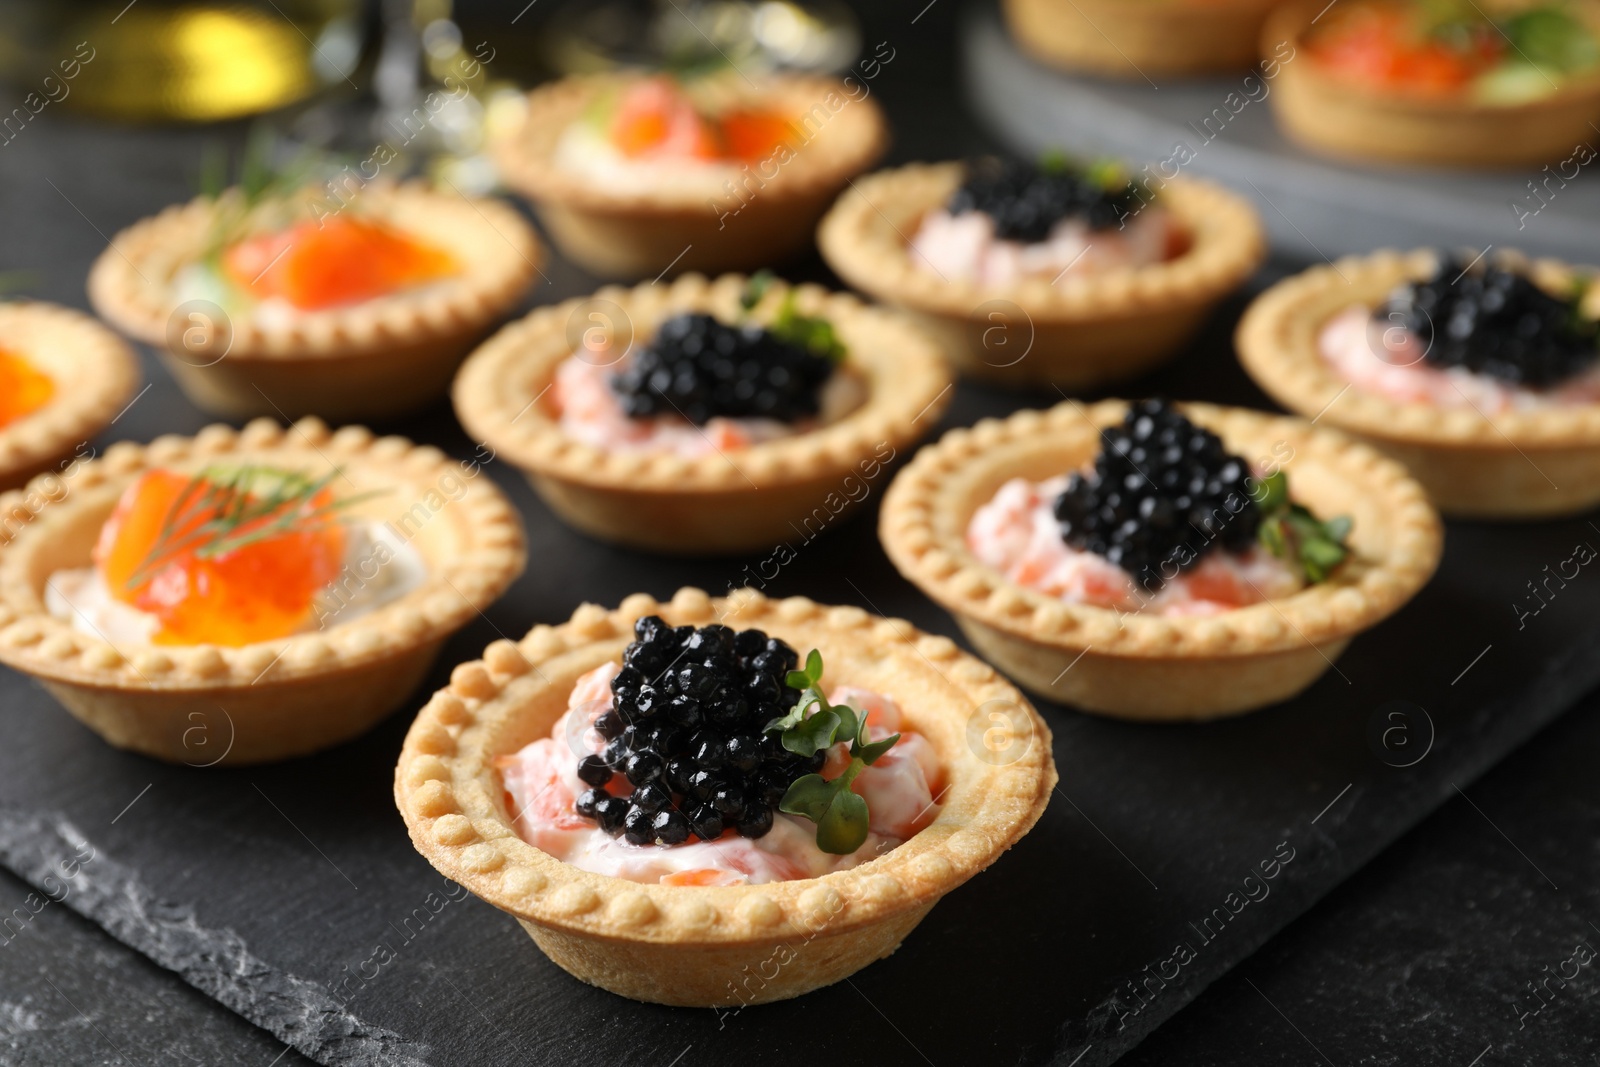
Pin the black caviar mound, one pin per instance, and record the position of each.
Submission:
(687, 729)
(699, 368)
(1163, 492)
(1494, 321)
(1026, 201)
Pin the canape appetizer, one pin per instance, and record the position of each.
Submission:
(1445, 82)
(1044, 273)
(666, 794)
(1139, 39)
(239, 597)
(637, 175)
(63, 379)
(1152, 562)
(286, 301)
(1480, 373)
(704, 417)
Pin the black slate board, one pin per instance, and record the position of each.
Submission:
(270, 887)
(71, 995)
(1434, 946)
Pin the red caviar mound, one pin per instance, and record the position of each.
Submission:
(24, 388)
(1387, 45)
(656, 119)
(173, 548)
(341, 260)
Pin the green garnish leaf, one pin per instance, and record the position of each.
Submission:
(808, 797)
(869, 753)
(1274, 493)
(811, 332)
(1292, 533)
(814, 733)
(1551, 39)
(844, 826)
(841, 815)
(756, 289)
(1054, 161)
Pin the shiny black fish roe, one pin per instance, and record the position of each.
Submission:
(1026, 201)
(699, 367)
(1494, 321)
(1163, 492)
(687, 730)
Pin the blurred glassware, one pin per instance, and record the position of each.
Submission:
(821, 35)
(185, 60)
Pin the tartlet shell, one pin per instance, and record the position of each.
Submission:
(700, 946)
(1343, 119)
(1517, 464)
(1082, 332)
(274, 699)
(377, 358)
(754, 498)
(94, 372)
(642, 234)
(1139, 41)
(1138, 666)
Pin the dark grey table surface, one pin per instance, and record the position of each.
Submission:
(1424, 956)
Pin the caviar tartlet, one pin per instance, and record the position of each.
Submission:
(1139, 39)
(63, 379)
(1447, 84)
(245, 596)
(701, 941)
(1481, 376)
(635, 175)
(704, 417)
(1033, 274)
(308, 303)
(1147, 562)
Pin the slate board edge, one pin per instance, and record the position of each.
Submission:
(42, 847)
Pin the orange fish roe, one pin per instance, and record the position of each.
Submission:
(657, 119)
(254, 592)
(24, 388)
(1386, 44)
(342, 260)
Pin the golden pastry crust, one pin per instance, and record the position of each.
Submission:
(1136, 665)
(378, 357)
(95, 374)
(1082, 331)
(697, 946)
(1519, 463)
(717, 502)
(283, 697)
(1346, 120)
(643, 233)
(1139, 40)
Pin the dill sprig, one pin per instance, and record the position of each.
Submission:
(222, 510)
(259, 180)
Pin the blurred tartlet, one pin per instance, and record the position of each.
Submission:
(1452, 83)
(1046, 274)
(295, 302)
(1139, 39)
(1480, 374)
(636, 175)
(63, 379)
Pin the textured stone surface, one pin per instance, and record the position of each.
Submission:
(69, 994)
(1440, 943)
